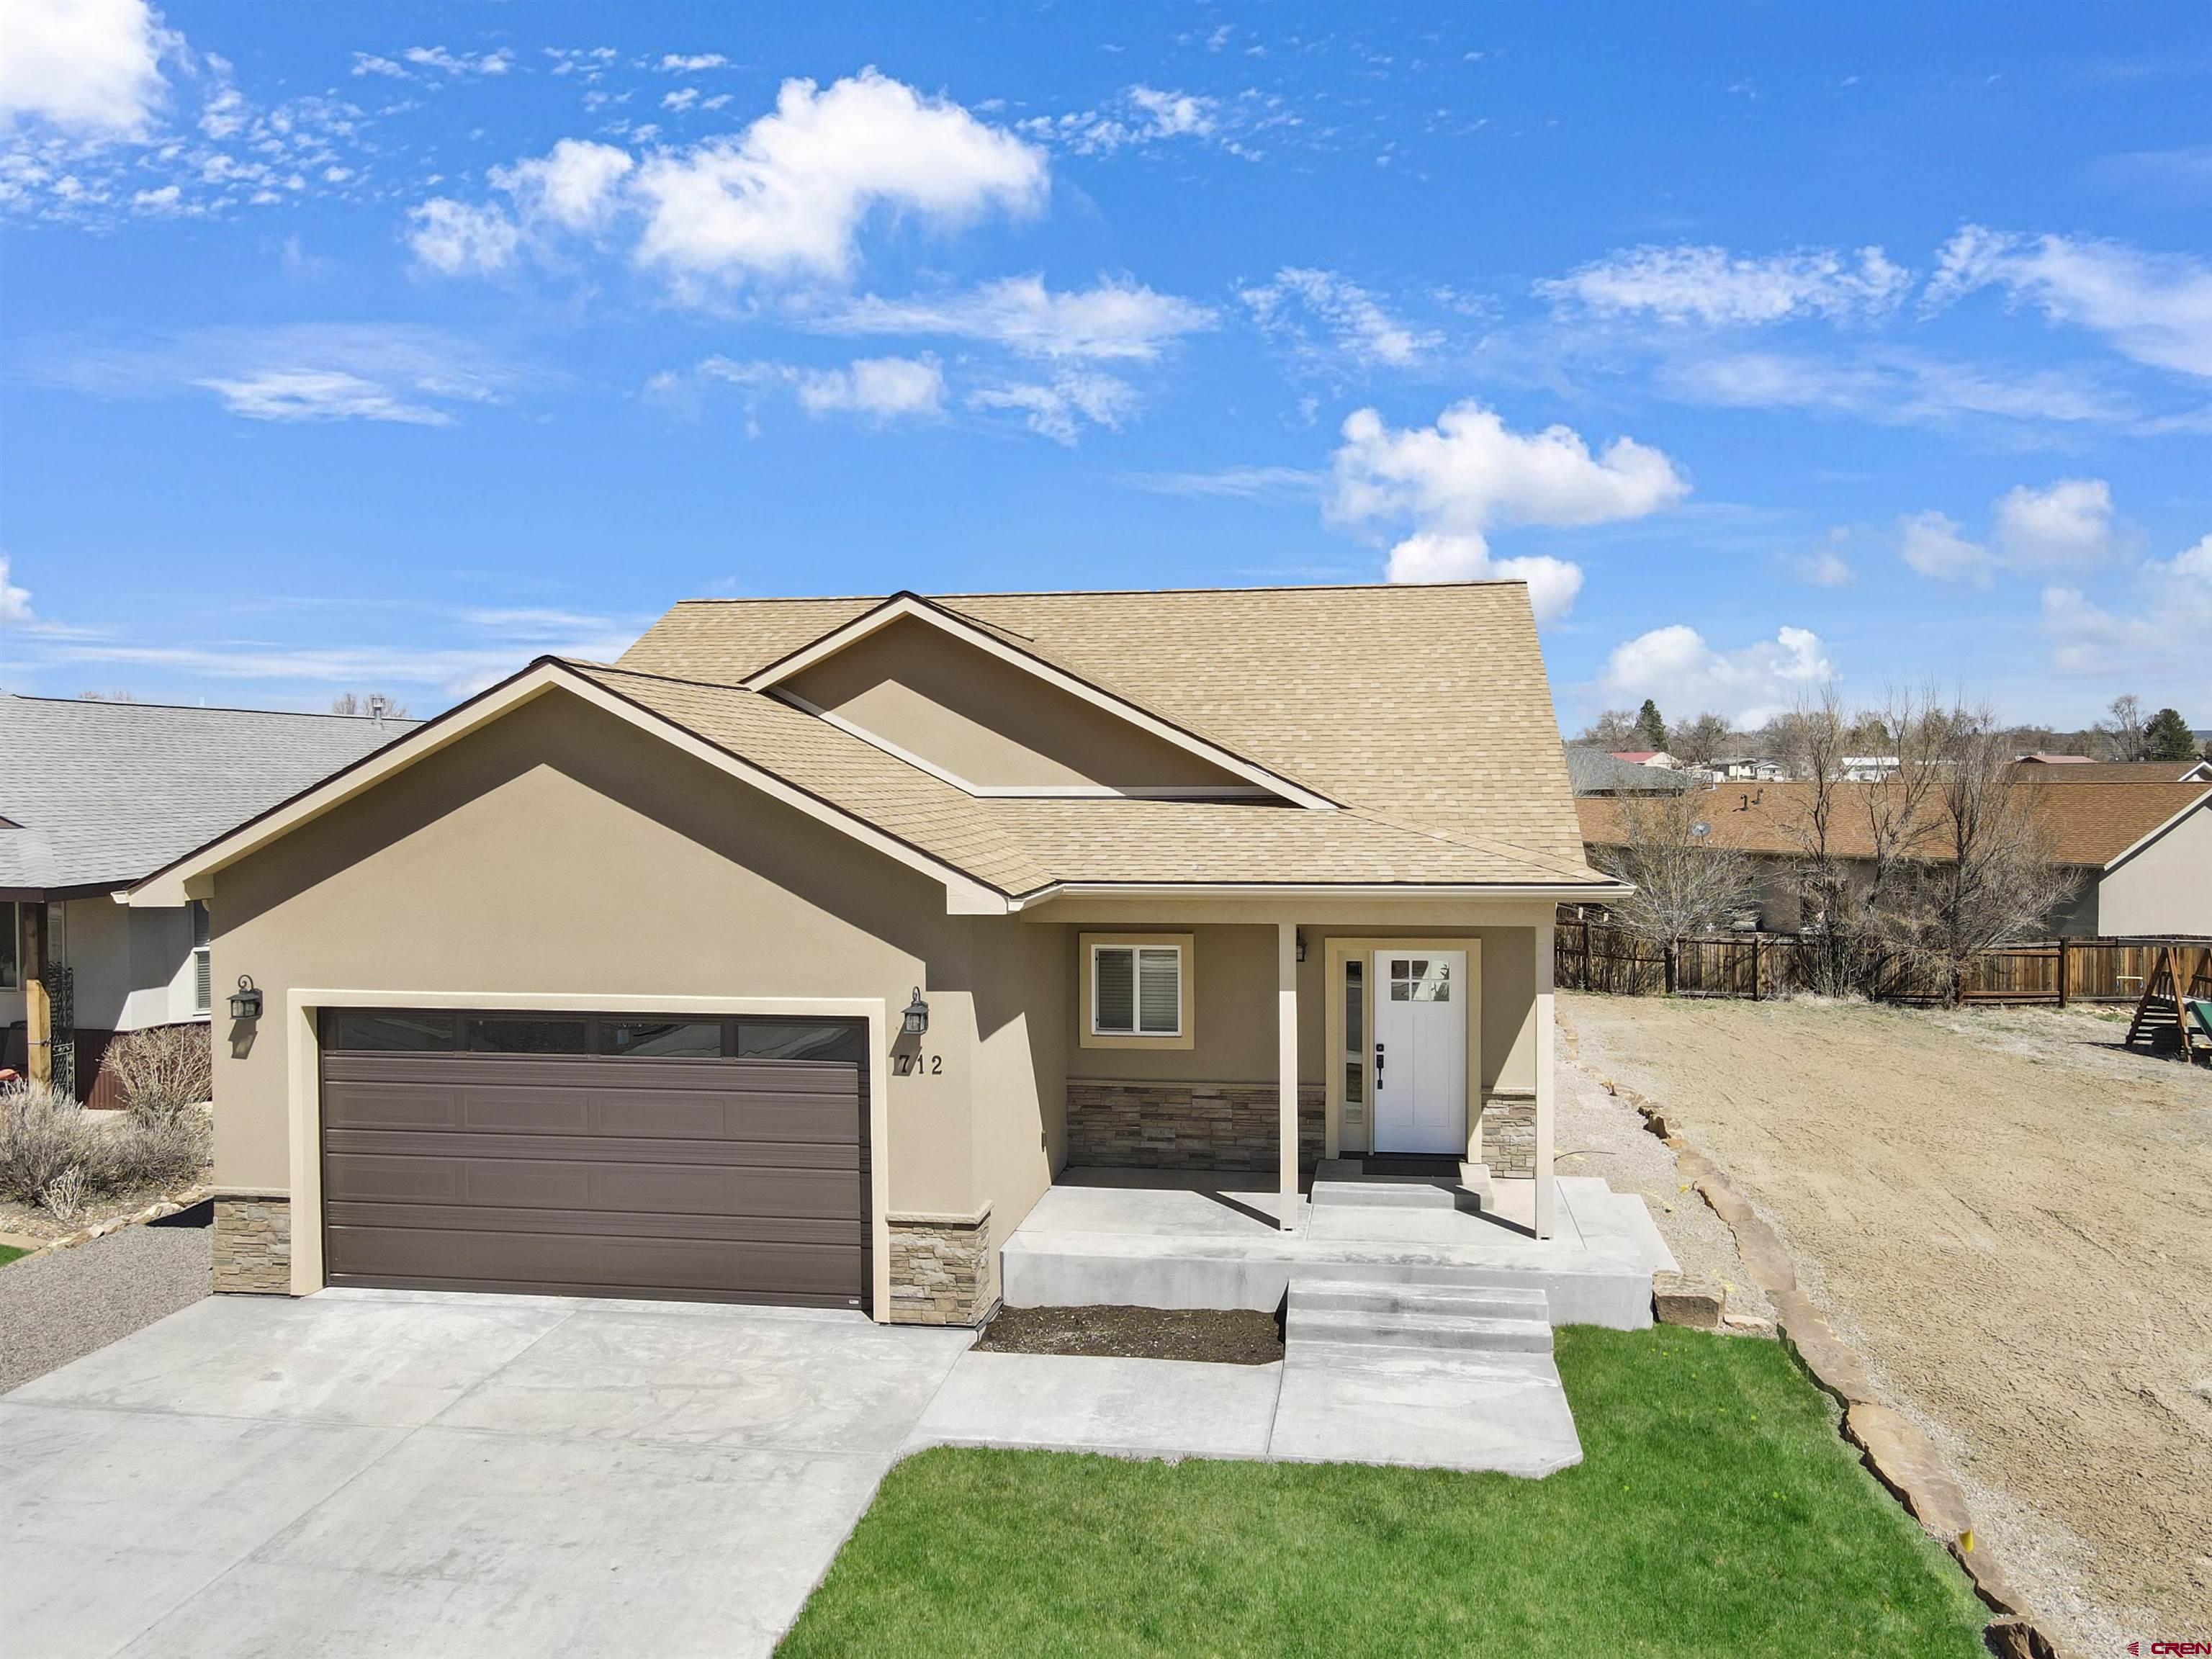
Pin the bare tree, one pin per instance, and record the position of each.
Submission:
(105, 697)
(1614, 729)
(1820, 735)
(2121, 735)
(1982, 873)
(1684, 884)
(1706, 737)
(372, 702)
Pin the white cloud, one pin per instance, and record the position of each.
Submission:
(1711, 286)
(885, 388)
(1430, 557)
(1676, 667)
(1458, 480)
(1249, 484)
(319, 395)
(677, 63)
(1824, 566)
(1062, 407)
(2154, 308)
(573, 185)
(91, 68)
(455, 239)
(2069, 524)
(1890, 386)
(2159, 640)
(14, 602)
(1141, 115)
(457, 64)
(295, 372)
(788, 196)
(1114, 320)
(1357, 325)
(1933, 544)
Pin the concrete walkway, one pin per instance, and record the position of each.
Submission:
(1498, 1412)
(388, 1472)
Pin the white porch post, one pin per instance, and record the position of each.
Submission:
(1545, 1194)
(1286, 1062)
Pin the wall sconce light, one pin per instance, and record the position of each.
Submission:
(1302, 944)
(245, 1001)
(915, 1020)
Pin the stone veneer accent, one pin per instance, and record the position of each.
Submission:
(253, 1245)
(1509, 1134)
(1186, 1126)
(943, 1271)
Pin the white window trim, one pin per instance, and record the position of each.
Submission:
(201, 961)
(1087, 1034)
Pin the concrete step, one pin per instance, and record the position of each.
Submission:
(1396, 1193)
(1354, 1296)
(1459, 1332)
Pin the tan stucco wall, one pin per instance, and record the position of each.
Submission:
(987, 720)
(2166, 888)
(561, 852)
(1233, 1012)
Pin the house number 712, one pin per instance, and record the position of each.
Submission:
(909, 1065)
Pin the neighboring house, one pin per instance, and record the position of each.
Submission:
(791, 957)
(1745, 768)
(95, 795)
(2119, 772)
(2055, 760)
(1647, 757)
(1869, 768)
(1595, 772)
(2141, 853)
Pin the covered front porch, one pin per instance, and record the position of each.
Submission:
(1240, 1045)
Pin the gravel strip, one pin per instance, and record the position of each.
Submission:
(1220, 1336)
(60, 1305)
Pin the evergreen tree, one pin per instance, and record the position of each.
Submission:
(1651, 729)
(2166, 737)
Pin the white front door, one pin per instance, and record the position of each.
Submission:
(1419, 1062)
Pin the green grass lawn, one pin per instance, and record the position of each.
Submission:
(1716, 1512)
(9, 1252)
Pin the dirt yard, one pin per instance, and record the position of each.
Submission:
(2010, 1217)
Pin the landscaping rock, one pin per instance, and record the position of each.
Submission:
(1688, 1299)
(1904, 1460)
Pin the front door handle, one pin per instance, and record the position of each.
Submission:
(1378, 1064)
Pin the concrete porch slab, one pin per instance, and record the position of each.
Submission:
(1197, 1245)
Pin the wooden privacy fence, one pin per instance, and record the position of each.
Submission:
(1589, 955)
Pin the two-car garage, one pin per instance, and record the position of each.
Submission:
(695, 1156)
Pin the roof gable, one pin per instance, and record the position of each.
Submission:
(985, 707)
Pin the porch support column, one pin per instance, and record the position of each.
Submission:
(1287, 1063)
(1546, 1195)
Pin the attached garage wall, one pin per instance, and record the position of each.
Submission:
(562, 853)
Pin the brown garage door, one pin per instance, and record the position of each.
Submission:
(597, 1154)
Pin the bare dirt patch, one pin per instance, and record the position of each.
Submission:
(2010, 1217)
(1215, 1336)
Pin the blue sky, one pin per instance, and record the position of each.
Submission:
(373, 347)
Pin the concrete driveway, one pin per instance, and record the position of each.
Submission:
(447, 1477)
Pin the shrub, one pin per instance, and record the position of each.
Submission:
(162, 1069)
(43, 1135)
(55, 1154)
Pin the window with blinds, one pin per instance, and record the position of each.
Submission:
(1136, 990)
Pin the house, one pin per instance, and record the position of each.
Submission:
(2140, 853)
(2041, 759)
(1658, 758)
(94, 796)
(1595, 772)
(1869, 768)
(1745, 768)
(2089, 771)
(793, 956)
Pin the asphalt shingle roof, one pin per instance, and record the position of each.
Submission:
(1425, 710)
(109, 792)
